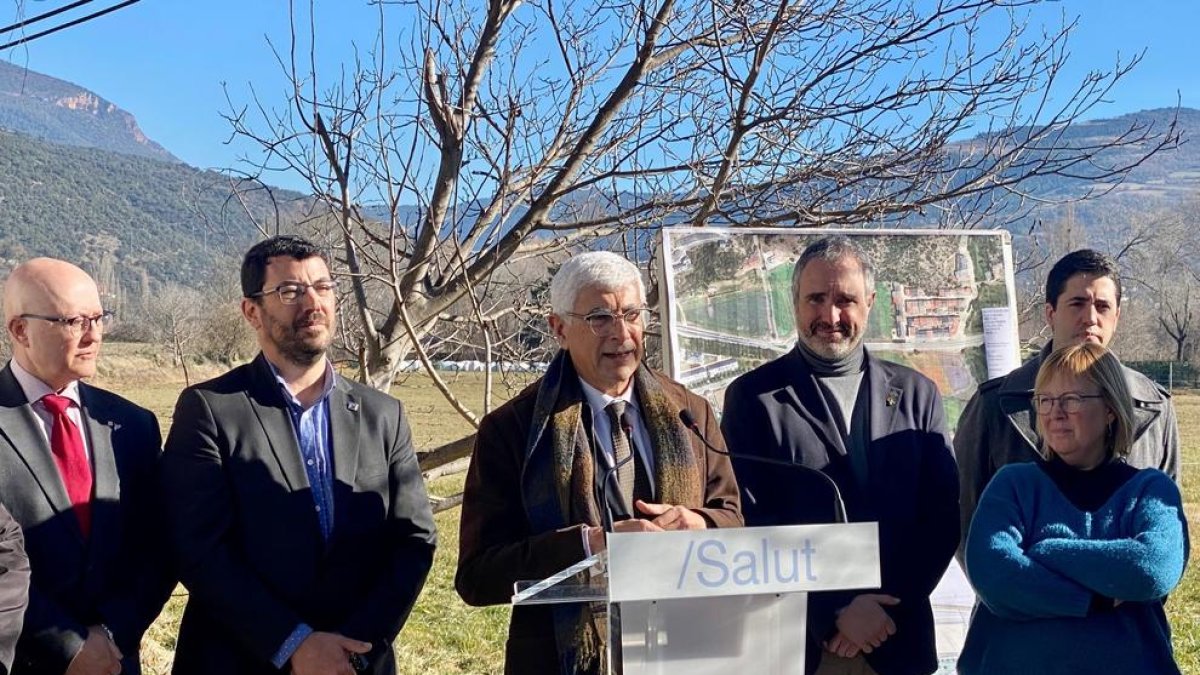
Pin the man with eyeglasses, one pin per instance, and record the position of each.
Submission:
(878, 431)
(79, 472)
(534, 504)
(298, 512)
(998, 426)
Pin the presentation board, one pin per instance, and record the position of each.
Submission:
(945, 303)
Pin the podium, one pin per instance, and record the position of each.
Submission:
(712, 601)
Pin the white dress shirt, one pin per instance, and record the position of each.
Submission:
(602, 427)
(35, 389)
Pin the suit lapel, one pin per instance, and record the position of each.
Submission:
(271, 410)
(20, 428)
(106, 484)
(1147, 402)
(802, 395)
(344, 415)
(1014, 396)
(1143, 417)
(1020, 418)
(884, 403)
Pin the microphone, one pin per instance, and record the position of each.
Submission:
(627, 428)
(606, 490)
(606, 516)
(689, 421)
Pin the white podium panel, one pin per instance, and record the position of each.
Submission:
(712, 601)
(742, 561)
(715, 636)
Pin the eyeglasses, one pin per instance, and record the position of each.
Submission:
(1069, 403)
(77, 325)
(292, 291)
(603, 323)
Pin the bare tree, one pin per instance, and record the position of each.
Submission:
(222, 334)
(174, 314)
(1178, 317)
(1161, 262)
(480, 135)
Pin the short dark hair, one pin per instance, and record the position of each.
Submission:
(254, 265)
(1083, 261)
(832, 248)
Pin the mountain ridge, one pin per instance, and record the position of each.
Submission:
(80, 180)
(64, 113)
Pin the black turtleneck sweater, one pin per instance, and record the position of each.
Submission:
(1088, 490)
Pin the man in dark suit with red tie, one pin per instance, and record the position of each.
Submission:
(78, 471)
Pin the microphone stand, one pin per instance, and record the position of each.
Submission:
(605, 488)
(685, 416)
(606, 516)
(615, 654)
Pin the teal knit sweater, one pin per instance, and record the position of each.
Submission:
(1039, 564)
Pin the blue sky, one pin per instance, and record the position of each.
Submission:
(165, 60)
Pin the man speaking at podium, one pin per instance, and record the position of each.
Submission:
(534, 502)
(878, 430)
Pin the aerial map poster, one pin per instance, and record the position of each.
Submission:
(945, 303)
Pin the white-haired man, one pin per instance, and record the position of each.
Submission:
(531, 506)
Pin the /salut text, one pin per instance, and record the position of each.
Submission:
(713, 564)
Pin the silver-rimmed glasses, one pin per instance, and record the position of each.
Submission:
(77, 325)
(603, 322)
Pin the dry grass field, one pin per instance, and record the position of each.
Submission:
(445, 637)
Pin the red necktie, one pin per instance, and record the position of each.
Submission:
(66, 443)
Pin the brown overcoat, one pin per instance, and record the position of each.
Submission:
(497, 546)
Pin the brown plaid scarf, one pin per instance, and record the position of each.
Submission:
(558, 483)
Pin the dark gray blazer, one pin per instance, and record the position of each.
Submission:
(777, 411)
(14, 587)
(246, 533)
(120, 576)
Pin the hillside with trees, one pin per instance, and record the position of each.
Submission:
(128, 219)
(79, 180)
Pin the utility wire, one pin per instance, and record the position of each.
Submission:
(68, 24)
(47, 15)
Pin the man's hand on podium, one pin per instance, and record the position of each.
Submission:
(665, 517)
(670, 517)
(864, 623)
(597, 542)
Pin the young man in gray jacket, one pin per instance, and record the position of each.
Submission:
(1083, 303)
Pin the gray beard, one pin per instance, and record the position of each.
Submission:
(825, 365)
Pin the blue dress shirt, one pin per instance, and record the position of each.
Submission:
(315, 439)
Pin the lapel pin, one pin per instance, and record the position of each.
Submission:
(893, 397)
(352, 406)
